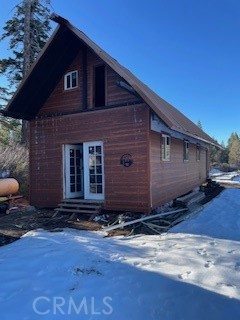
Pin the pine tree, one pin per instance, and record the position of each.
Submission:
(234, 150)
(10, 131)
(9, 128)
(28, 31)
(223, 154)
(199, 124)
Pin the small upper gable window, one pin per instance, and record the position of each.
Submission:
(71, 80)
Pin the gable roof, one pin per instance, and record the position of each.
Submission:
(58, 53)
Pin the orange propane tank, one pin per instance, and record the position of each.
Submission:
(8, 186)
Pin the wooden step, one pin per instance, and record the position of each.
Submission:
(81, 201)
(79, 206)
(74, 210)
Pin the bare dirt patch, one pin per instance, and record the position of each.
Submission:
(25, 218)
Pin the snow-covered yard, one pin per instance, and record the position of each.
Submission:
(193, 272)
(227, 178)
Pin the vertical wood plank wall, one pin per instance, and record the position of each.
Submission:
(170, 179)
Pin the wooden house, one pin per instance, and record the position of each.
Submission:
(96, 132)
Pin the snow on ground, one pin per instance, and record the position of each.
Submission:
(193, 272)
(237, 178)
(225, 177)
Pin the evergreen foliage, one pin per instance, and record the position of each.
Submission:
(199, 124)
(27, 32)
(234, 150)
(15, 30)
(14, 159)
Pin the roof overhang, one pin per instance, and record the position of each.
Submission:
(36, 87)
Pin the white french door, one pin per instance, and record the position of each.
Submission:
(73, 171)
(93, 170)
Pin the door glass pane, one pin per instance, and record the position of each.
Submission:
(93, 188)
(99, 179)
(98, 160)
(75, 179)
(99, 149)
(95, 169)
(98, 169)
(92, 178)
(91, 150)
(99, 188)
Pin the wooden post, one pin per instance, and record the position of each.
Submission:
(84, 80)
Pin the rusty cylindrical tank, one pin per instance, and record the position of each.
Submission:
(8, 186)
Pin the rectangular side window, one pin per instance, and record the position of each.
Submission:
(198, 152)
(71, 80)
(185, 150)
(166, 141)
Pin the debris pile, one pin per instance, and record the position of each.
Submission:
(151, 224)
(20, 217)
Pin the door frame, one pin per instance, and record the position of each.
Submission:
(85, 171)
(66, 173)
(87, 194)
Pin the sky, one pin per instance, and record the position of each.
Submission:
(187, 51)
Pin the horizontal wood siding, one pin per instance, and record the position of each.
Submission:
(171, 179)
(122, 130)
(62, 101)
(116, 94)
(66, 100)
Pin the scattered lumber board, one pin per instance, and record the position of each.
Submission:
(124, 224)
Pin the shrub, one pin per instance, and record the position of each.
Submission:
(15, 160)
(225, 167)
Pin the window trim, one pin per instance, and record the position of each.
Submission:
(71, 80)
(185, 150)
(166, 154)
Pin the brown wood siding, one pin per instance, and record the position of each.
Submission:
(171, 179)
(66, 100)
(62, 101)
(122, 130)
(115, 94)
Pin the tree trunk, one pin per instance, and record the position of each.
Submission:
(26, 57)
(27, 37)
